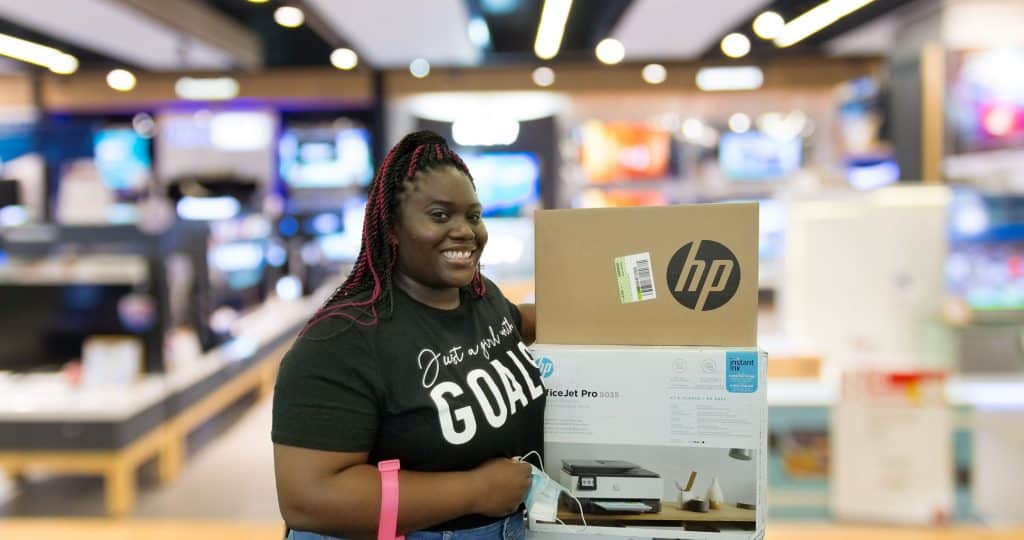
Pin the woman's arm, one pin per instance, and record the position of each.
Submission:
(528, 312)
(338, 493)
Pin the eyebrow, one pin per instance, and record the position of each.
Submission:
(450, 203)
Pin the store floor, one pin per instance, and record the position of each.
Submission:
(226, 492)
(74, 529)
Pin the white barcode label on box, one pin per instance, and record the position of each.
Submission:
(633, 273)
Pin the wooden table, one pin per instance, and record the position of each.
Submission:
(116, 466)
(259, 377)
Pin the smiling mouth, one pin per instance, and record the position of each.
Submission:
(457, 255)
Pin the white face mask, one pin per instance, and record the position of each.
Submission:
(542, 499)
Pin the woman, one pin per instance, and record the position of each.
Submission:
(416, 357)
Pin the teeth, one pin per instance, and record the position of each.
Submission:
(457, 254)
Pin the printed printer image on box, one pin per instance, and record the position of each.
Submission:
(660, 442)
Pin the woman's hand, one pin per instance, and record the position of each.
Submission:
(501, 485)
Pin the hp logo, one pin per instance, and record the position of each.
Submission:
(546, 367)
(703, 275)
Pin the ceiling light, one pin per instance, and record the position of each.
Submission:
(522, 105)
(769, 122)
(713, 79)
(698, 132)
(479, 34)
(144, 125)
(610, 51)
(41, 55)
(768, 25)
(121, 80)
(258, 1)
(345, 59)
(782, 127)
(544, 76)
(735, 45)
(817, 18)
(419, 68)
(289, 16)
(483, 131)
(739, 122)
(654, 74)
(217, 88)
(796, 121)
(64, 64)
(551, 28)
(693, 129)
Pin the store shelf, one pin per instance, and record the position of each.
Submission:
(47, 423)
(84, 270)
(50, 397)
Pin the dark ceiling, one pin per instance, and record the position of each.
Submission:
(281, 46)
(513, 32)
(513, 28)
(512, 25)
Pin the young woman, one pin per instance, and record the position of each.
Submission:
(416, 357)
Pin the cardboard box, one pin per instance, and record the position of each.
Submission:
(675, 275)
(625, 428)
(892, 461)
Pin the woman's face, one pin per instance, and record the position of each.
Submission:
(439, 230)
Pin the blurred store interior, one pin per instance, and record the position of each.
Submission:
(182, 183)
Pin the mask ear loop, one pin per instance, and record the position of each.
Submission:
(540, 461)
(582, 516)
(578, 503)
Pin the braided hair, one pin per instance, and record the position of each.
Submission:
(366, 295)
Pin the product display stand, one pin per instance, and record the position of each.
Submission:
(45, 424)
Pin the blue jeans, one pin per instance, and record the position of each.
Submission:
(511, 528)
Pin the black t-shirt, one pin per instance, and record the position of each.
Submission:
(441, 390)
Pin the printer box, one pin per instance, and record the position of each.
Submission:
(890, 438)
(655, 442)
(672, 275)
